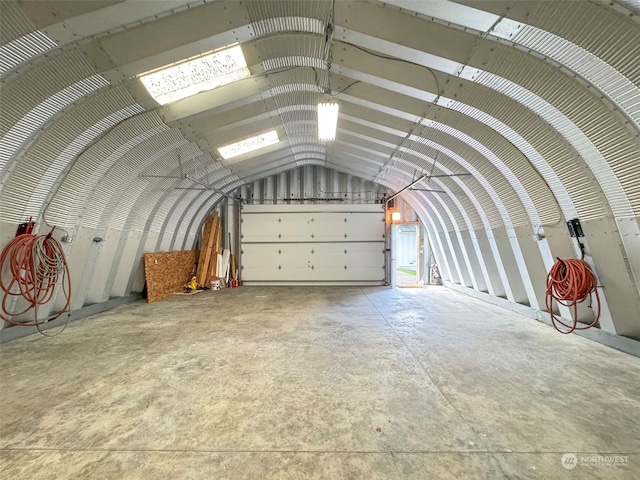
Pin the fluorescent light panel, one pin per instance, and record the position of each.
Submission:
(327, 121)
(197, 75)
(249, 145)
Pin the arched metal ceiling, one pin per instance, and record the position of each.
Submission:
(538, 100)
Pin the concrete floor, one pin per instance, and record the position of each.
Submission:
(372, 383)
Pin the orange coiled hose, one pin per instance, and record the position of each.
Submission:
(569, 283)
(32, 266)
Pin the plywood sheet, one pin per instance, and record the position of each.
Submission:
(167, 273)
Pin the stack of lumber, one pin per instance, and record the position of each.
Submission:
(210, 247)
(215, 261)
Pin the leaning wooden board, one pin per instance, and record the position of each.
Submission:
(214, 248)
(208, 240)
(167, 272)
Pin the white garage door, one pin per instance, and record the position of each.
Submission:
(313, 244)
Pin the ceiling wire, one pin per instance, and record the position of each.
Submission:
(422, 117)
(328, 40)
(184, 176)
(439, 93)
(347, 87)
(396, 59)
(408, 136)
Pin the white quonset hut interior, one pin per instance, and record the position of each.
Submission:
(305, 162)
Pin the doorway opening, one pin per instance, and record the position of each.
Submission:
(406, 254)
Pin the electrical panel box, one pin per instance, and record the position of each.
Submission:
(25, 228)
(575, 229)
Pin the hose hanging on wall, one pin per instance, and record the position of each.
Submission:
(33, 265)
(570, 282)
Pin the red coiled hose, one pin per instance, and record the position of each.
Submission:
(570, 282)
(32, 265)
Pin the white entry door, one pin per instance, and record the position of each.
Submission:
(313, 244)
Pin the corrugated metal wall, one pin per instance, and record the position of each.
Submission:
(542, 112)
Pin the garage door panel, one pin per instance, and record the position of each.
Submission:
(298, 244)
(313, 227)
(314, 273)
(273, 227)
(350, 223)
(319, 255)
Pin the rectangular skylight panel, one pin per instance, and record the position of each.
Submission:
(194, 76)
(249, 145)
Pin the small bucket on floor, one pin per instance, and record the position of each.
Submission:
(215, 283)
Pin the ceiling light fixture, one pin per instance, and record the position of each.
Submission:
(195, 75)
(327, 120)
(249, 144)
